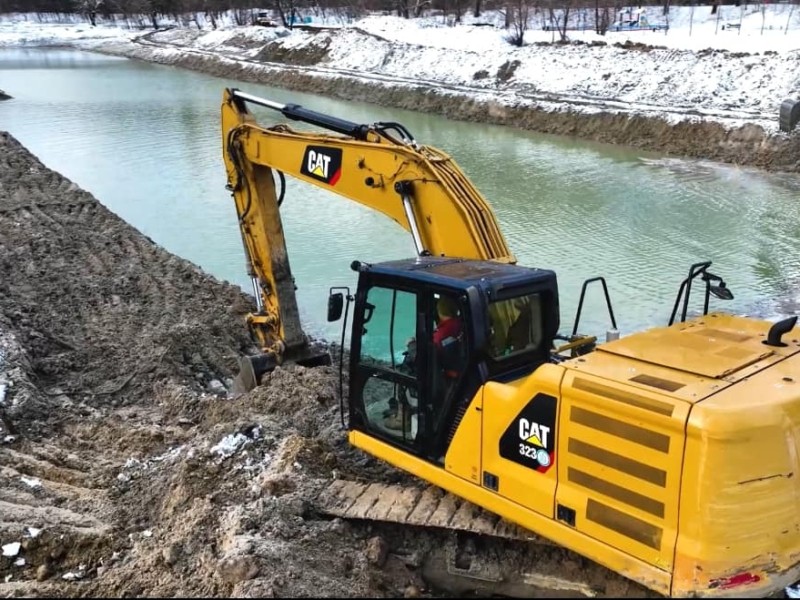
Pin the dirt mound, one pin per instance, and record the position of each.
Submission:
(102, 314)
(309, 54)
(124, 467)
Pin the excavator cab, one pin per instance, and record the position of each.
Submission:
(414, 369)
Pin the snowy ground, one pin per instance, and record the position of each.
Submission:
(701, 68)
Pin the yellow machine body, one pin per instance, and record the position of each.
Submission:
(676, 464)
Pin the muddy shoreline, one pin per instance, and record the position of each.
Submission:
(747, 145)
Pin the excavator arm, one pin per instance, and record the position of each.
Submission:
(379, 166)
(419, 187)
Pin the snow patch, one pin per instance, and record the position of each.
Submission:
(72, 575)
(137, 467)
(31, 482)
(230, 444)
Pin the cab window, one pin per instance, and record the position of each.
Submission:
(515, 326)
(388, 360)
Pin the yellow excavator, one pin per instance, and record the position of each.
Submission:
(671, 456)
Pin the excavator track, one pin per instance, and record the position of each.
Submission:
(421, 506)
(538, 567)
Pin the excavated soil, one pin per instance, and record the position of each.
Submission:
(126, 467)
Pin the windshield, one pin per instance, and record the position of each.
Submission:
(389, 324)
(516, 325)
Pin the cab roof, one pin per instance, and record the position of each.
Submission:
(492, 276)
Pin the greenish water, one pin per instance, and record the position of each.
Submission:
(144, 139)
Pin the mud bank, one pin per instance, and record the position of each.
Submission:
(125, 469)
(748, 144)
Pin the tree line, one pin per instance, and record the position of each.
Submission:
(518, 15)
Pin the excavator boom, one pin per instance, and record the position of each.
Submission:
(369, 165)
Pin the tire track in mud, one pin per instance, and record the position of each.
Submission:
(120, 304)
(51, 501)
(54, 511)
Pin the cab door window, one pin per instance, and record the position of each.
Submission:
(388, 364)
(449, 353)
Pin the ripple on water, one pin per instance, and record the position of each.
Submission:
(145, 140)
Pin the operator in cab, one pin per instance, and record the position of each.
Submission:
(447, 340)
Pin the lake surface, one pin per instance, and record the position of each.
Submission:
(145, 140)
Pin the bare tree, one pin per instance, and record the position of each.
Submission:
(286, 10)
(602, 18)
(458, 10)
(89, 8)
(242, 16)
(420, 5)
(212, 14)
(517, 13)
(560, 22)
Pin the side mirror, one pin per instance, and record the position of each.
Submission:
(721, 292)
(335, 305)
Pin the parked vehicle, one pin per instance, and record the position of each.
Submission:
(635, 20)
(265, 20)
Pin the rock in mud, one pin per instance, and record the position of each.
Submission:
(236, 569)
(412, 591)
(377, 551)
(43, 572)
(171, 554)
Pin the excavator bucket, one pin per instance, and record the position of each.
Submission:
(252, 368)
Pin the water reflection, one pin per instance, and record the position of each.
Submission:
(145, 140)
